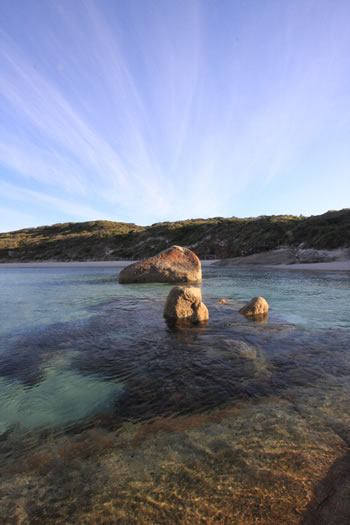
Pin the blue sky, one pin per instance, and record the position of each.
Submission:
(151, 110)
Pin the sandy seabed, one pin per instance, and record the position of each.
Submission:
(278, 456)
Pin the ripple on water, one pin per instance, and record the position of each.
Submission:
(113, 415)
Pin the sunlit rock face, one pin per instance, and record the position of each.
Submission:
(257, 307)
(176, 264)
(186, 303)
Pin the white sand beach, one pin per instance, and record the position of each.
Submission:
(333, 266)
(70, 264)
(336, 266)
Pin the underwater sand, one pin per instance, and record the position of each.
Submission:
(108, 415)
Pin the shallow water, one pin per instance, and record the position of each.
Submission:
(109, 415)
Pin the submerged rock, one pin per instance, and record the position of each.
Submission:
(186, 303)
(176, 264)
(222, 301)
(258, 306)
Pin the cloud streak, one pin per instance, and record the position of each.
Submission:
(148, 112)
(78, 211)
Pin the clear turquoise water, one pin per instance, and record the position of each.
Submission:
(75, 347)
(65, 331)
(33, 298)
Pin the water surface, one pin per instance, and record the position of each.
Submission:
(107, 414)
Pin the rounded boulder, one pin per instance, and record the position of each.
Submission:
(256, 307)
(176, 264)
(185, 302)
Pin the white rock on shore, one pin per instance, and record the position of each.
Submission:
(288, 255)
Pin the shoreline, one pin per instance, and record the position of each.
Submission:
(333, 266)
(79, 264)
(67, 264)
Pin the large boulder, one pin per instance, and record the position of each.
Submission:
(258, 306)
(185, 303)
(174, 265)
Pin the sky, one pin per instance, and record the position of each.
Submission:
(153, 110)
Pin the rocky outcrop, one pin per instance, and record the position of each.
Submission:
(176, 264)
(258, 306)
(283, 255)
(185, 303)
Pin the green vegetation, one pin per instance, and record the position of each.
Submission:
(216, 237)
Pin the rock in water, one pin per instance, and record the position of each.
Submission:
(185, 303)
(256, 307)
(174, 265)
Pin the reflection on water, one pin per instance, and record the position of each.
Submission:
(108, 414)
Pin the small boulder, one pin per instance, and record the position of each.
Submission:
(222, 301)
(176, 264)
(258, 306)
(201, 315)
(185, 303)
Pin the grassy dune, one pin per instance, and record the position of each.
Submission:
(214, 238)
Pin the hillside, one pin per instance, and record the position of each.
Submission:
(209, 238)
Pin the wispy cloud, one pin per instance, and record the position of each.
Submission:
(166, 110)
(45, 165)
(49, 111)
(12, 219)
(19, 194)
